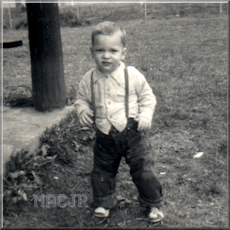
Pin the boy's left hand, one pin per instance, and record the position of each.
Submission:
(143, 124)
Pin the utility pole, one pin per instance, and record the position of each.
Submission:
(10, 19)
(145, 12)
(47, 68)
(221, 9)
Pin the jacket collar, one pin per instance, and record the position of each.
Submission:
(118, 74)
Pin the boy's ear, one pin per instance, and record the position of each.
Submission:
(91, 51)
(124, 52)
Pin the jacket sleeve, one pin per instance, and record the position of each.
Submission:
(146, 99)
(83, 100)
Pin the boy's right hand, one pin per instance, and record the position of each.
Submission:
(85, 117)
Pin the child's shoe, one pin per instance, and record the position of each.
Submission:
(101, 212)
(156, 215)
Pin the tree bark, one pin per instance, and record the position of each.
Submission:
(46, 56)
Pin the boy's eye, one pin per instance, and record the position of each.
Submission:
(99, 50)
(114, 51)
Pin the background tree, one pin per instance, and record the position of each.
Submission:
(46, 56)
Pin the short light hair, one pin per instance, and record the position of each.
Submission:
(109, 28)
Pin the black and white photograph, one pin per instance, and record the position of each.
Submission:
(114, 114)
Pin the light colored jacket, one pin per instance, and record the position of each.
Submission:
(109, 94)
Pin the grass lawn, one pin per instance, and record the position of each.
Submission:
(185, 61)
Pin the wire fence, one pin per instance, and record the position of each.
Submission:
(78, 14)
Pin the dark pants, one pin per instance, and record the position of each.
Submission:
(136, 149)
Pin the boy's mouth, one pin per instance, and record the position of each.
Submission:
(105, 63)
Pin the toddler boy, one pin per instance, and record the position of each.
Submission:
(121, 103)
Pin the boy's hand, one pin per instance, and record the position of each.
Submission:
(143, 124)
(85, 117)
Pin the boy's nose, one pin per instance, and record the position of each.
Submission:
(106, 55)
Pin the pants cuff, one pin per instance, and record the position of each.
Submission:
(149, 204)
(105, 202)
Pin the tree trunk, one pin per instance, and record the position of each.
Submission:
(46, 56)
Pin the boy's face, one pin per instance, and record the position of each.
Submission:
(107, 52)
